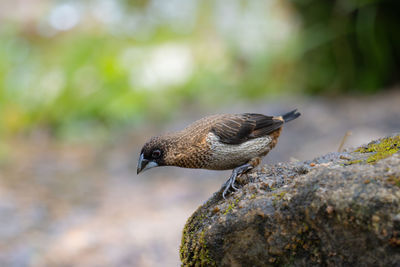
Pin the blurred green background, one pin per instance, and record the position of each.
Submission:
(78, 67)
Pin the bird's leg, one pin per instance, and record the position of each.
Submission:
(235, 173)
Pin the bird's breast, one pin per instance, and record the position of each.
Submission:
(228, 156)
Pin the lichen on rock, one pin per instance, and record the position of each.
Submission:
(319, 212)
(381, 149)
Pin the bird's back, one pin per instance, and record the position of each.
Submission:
(232, 128)
(199, 129)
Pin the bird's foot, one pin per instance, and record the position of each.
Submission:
(230, 183)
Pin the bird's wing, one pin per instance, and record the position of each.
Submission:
(238, 128)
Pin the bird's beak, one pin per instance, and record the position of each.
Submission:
(145, 164)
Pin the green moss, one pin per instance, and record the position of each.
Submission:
(204, 255)
(383, 149)
(350, 162)
(193, 250)
(379, 150)
(231, 206)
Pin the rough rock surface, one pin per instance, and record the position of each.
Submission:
(340, 209)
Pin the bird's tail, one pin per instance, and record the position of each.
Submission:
(294, 114)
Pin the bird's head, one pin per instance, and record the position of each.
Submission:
(152, 154)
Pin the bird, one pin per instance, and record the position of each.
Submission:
(217, 142)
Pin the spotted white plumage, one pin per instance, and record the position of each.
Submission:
(227, 156)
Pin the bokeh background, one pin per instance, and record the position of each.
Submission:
(83, 84)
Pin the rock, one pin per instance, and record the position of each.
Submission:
(338, 209)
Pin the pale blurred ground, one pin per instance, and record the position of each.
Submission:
(84, 205)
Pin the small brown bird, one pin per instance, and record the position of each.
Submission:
(218, 142)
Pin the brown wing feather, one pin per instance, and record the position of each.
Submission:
(238, 128)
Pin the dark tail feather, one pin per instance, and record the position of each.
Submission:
(294, 114)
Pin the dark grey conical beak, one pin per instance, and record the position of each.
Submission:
(145, 164)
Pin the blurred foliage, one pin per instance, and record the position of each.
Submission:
(349, 45)
(153, 60)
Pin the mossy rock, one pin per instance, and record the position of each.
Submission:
(381, 149)
(338, 209)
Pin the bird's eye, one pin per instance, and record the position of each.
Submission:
(156, 154)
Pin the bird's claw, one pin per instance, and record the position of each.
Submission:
(230, 183)
(234, 187)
